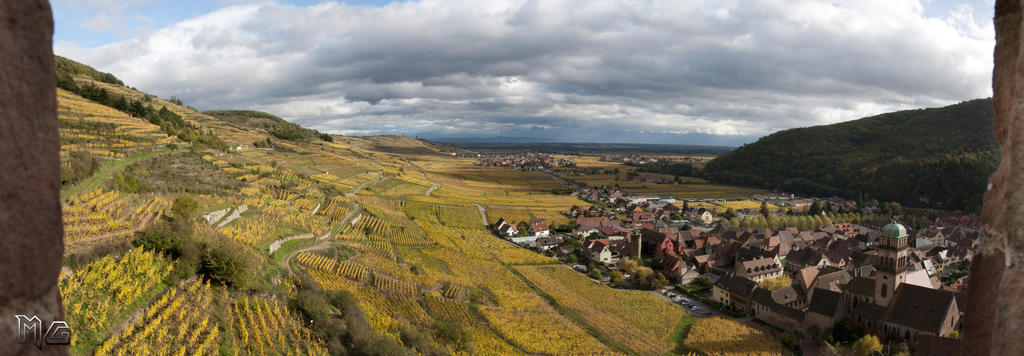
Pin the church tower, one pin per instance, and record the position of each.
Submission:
(893, 261)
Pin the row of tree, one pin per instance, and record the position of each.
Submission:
(805, 222)
(168, 121)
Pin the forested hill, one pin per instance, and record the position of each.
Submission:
(938, 157)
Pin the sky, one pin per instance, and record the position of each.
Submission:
(714, 72)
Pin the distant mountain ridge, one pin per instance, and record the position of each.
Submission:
(937, 157)
(595, 148)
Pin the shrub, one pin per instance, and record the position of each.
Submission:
(453, 333)
(184, 207)
(227, 263)
(867, 345)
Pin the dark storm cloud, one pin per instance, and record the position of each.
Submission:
(659, 71)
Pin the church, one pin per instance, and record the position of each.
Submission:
(892, 304)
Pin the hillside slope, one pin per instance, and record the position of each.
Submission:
(939, 157)
(170, 216)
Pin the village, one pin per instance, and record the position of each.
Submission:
(834, 277)
(523, 161)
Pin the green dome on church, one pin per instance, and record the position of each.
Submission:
(894, 230)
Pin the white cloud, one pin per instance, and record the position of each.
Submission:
(582, 70)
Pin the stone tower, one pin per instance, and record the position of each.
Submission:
(892, 262)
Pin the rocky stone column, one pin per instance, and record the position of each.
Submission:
(31, 229)
(993, 322)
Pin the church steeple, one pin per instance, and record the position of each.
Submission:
(893, 261)
(892, 249)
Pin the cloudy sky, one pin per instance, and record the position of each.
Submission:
(687, 72)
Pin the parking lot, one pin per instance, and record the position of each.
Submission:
(696, 308)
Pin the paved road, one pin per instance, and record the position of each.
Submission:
(559, 179)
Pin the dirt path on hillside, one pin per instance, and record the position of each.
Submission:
(286, 260)
(361, 186)
(355, 208)
(483, 213)
(274, 246)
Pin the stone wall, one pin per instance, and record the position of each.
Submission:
(992, 322)
(31, 246)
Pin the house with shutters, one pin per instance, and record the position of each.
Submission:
(734, 291)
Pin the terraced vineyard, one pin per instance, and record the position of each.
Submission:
(717, 336)
(151, 270)
(97, 295)
(639, 320)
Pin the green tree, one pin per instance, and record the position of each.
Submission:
(628, 265)
(226, 262)
(616, 277)
(867, 345)
(184, 207)
(733, 222)
(643, 276)
(815, 209)
(779, 282)
(659, 281)
(764, 208)
(453, 333)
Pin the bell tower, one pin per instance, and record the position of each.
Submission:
(893, 260)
